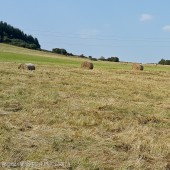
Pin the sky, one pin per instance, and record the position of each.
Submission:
(132, 30)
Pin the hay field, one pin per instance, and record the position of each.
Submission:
(109, 118)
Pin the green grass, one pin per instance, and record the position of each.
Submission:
(21, 58)
(10, 53)
(107, 118)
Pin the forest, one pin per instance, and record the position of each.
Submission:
(14, 36)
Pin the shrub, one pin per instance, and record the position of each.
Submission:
(164, 62)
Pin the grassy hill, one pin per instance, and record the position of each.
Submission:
(64, 117)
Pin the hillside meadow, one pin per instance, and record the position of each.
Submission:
(108, 118)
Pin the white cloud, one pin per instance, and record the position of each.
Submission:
(146, 17)
(166, 28)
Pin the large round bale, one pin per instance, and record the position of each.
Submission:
(136, 66)
(28, 66)
(87, 65)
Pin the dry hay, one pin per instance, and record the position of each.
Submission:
(22, 66)
(29, 66)
(136, 66)
(87, 65)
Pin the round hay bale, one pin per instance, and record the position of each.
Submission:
(29, 66)
(87, 65)
(22, 66)
(137, 66)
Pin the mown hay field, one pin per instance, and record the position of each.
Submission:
(108, 118)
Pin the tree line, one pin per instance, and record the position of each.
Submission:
(14, 36)
(164, 62)
(63, 51)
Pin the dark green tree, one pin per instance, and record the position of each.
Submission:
(167, 62)
(14, 36)
(102, 58)
(162, 61)
(59, 51)
(113, 59)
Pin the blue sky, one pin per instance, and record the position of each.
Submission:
(133, 30)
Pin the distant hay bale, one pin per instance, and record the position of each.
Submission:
(28, 66)
(22, 66)
(136, 66)
(87, 65)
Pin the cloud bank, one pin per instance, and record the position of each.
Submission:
(145, 17)
(166, 28)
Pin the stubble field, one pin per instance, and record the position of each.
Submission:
(109, 118)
